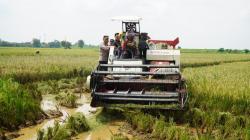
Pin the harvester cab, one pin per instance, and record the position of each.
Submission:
(151, 82)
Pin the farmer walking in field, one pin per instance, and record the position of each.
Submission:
(104, 50)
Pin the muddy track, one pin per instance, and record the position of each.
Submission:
(98, 130)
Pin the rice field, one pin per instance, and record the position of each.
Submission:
(218, 84)
(26, 66)
(218, 107)
(223, 87)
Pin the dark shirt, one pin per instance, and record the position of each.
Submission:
(117, 44)
(143, 44)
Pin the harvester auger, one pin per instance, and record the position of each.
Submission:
(151, 82)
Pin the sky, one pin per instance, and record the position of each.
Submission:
(198, 23)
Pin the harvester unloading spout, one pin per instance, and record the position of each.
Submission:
(151, 82)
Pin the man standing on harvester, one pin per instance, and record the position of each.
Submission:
(117, 44)
(104, 50)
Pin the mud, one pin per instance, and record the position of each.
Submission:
(101, 131)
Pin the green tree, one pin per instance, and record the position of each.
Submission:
(221, 50)
(66, 45)
(54, 44)
(80, 43)
(36, 43)
(236, 51)
(44, 45)
(229, 50)
(246, 51)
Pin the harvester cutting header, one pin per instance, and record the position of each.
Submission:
(139, 72)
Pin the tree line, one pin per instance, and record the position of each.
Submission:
(36, 43)
(223, 50)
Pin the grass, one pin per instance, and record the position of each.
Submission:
(219, 99)
(25, 66)
(160, 128)
(119, 136)
(220, 88)
(66, 99)
(200, 125)
(218, 106)
(219, 94)
(208, 59)
(75, 124)
(17, 105)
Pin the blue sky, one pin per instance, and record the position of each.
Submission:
(198, 23)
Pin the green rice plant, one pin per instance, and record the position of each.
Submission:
(66, 99)
(54, 86)
(119, 136)
(24, 66)
(65, 86)
(224, 117)
(40, 134)
(209, 59)
(159, 127)
(55, 63)
(143, 122)
(221, 88)
(215, 89)
(17, 106)
(218, 104)
(196, 117)
(33, 90)
(77, 123)
(241, 121)
(247, 135)
(169, 130)
(56, 132)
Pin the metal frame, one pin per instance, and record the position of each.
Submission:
(135, 73)
(139, 66)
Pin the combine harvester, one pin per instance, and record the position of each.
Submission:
(151, 82)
